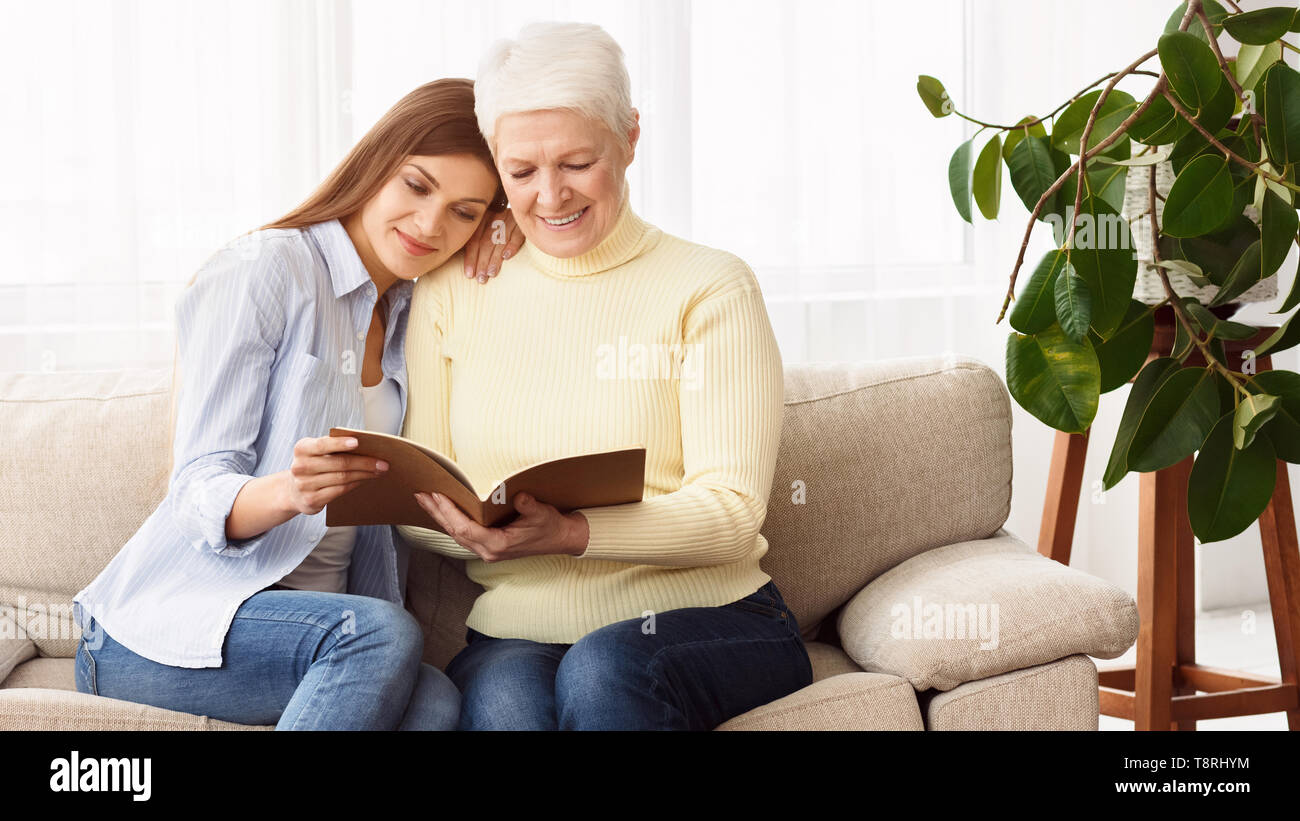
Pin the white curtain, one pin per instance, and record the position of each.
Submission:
(142, 134)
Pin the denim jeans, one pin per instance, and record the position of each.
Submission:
(689, 669)
(299, 659)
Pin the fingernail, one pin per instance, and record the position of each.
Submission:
(482, 278)
(381, 465)
(469, 274)
(437, 497)
(506, 254)
(351, 443)
(492, 271)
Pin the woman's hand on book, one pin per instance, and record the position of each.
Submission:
(497, 238)
(322, 471)
(539, 530)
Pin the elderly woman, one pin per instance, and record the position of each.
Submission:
(605, 332)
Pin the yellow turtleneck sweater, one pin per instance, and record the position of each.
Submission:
(646, 339)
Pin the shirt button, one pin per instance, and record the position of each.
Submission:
(360, 335)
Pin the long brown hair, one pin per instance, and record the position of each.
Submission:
(434, 120)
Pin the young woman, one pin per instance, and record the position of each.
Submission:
(234, 600)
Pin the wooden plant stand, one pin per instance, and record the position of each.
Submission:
(1167, 689)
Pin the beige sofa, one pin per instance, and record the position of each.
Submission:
(891, 489)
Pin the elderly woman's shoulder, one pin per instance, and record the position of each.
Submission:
(716, 271)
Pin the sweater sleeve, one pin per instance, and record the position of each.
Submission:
(428, 374)
(731, 394)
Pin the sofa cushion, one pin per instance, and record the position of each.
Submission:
(854, 701)
(867, 450)
(34, 709)
(1059, 695)
(15, 647)
(90, 456)
(43, 673)
(980, 608)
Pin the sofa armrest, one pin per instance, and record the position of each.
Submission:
(15, 647)
(977, 609)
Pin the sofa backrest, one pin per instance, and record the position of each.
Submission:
(878, 462)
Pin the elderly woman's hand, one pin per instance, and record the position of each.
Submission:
(540, 529)
(497, 238)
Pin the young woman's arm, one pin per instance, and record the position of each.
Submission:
(321, 472)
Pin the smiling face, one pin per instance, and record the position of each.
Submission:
(563, 174)
(422, 216)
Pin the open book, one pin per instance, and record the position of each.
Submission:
(611, 477)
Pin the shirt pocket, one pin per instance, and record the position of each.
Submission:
(305, 394)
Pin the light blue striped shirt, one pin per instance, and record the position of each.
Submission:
(271, 339)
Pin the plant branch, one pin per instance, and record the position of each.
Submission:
(1227, 152)
(1087, 133)
(1180, 311)
(1085, 155)
(1060, 181)
(1255, 118)
(1054, 112)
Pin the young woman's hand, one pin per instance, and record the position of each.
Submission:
(322, 471)
(491, 243)
(540, 529)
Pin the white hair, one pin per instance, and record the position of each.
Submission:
(572, 66)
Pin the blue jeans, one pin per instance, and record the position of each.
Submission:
(689, 669)
(299, 659)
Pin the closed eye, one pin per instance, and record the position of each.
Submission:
(419, 189)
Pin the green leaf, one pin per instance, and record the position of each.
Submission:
(1280, 340)
(1215, 12)
(1032, 170)
(1253, 61)
(1073, 304)
(1250, 416)
(1146, 384)
(1035, 309)
(1159, 124)
(1293, 296)
(1200, 199)
(934, 95)
(1217, 253)
(988, 178)
(1123, 355)
(1278, 226)
(1054, 378)
(1182, 341)
(1188, 269)
(1191, 67)
(1248, 271)
(1176, 420)
(1068, 130)
(1221, 328)
(1015, 135)
(1108, 184)
(1103, 256)
(1282, 113)
(1260, 27)
(1158, 156)
(1229, 488)
(1284, 430)
(959, 178)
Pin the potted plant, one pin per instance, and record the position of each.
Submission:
(1206, 166)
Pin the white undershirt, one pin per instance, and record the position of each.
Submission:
(326, 568)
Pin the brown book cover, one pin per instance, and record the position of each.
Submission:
(611, 477)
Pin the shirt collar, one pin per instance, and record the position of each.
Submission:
(347, 272)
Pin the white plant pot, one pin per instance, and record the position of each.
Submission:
(1148, 288)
